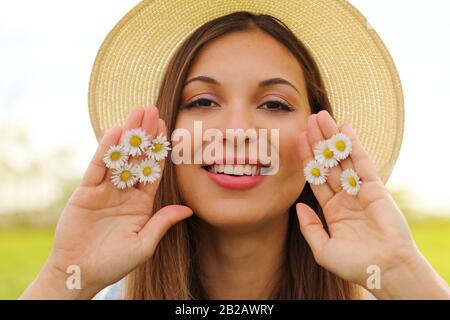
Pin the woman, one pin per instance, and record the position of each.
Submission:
(278, 238)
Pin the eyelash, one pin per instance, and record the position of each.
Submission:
(284, 106)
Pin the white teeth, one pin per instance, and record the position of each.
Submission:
(228, 169)
(238, 169)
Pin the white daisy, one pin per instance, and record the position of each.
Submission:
(324, 154)
(124, 177)
(341, 145)
(159, 148)
(135, 141)
(350, 181)
(115, 157)
(315, 172)
(148, 171)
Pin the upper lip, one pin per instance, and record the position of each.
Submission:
(235, 160)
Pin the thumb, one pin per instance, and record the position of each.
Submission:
(312, 229)
(159, 223)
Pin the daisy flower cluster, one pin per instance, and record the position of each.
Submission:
(135, 142)
(327, 154)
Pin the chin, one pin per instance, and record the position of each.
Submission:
(252, 207)
(233, 215)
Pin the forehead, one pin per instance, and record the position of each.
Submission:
(249, 53)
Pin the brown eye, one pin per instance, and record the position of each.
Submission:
(276, 105)
(201, 102)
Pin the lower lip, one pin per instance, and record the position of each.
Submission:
(235, 182)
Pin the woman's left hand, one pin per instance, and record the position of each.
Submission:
(367, 232)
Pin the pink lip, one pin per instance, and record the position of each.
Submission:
(235, 182)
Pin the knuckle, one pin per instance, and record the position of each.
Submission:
(98, 163)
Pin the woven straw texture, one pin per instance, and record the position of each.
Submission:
(360, 77)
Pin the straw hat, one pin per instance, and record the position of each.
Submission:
(360, 77)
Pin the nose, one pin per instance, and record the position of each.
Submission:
(239, 129)
(238, 118)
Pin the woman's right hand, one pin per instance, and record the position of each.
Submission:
(104, 231)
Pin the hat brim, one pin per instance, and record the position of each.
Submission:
(360, 77)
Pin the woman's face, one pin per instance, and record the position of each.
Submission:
(239, 62)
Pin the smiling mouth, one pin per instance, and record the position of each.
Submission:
(234, 169)
(235, 176)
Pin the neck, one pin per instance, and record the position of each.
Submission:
(245, 265)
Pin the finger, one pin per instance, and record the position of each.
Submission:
(134, 120)
(359, 158)
(96, 170)
(150, 121)
(347, 162)
(322, 192)
(151, 188)
(372, 187)
(312, 229)
(150, 125)
(322, 127)
(159, 223)
(329, 128)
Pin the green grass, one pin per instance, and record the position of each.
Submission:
(24, 251)
(22, 254)
(433, 239)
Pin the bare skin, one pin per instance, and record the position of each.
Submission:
(105, 231)
(108, 232)
(243, 265)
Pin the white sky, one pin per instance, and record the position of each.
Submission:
(49, 46)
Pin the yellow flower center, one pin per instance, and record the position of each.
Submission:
(340, 145)
(147, 171)
(352, 181)
(115, 156)
(125, 175)
(315, 172)
(157, 147)
(328, 154)
(135, 141)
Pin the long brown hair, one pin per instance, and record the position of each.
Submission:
(172, 272)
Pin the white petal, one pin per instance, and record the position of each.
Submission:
(313, 179)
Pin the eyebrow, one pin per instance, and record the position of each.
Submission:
(264, 83)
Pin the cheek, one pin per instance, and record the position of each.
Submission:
(290, 161)
(185, 176)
